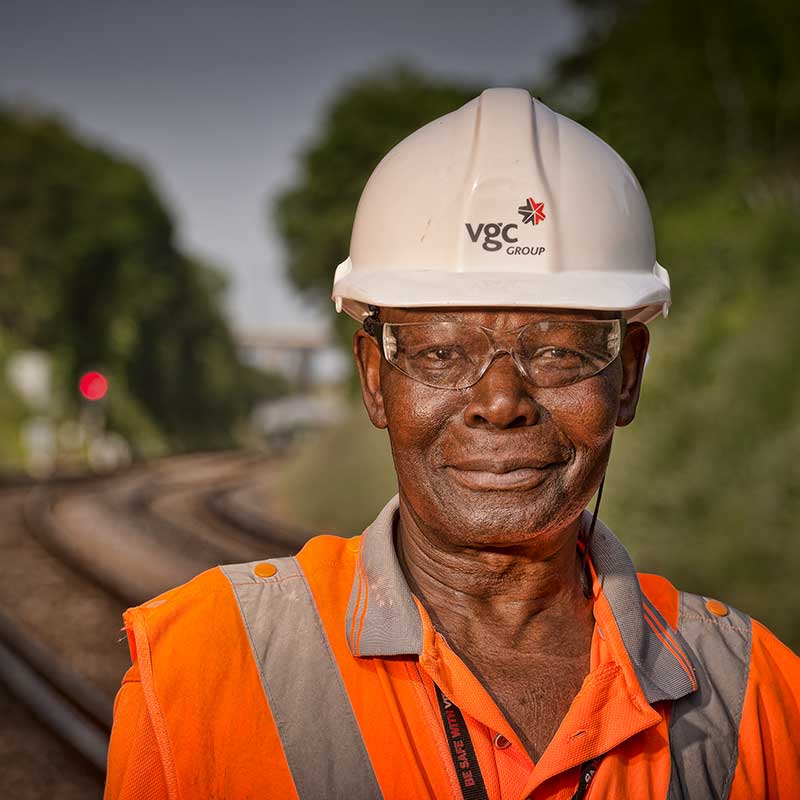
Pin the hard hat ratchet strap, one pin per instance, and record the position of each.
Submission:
(372, 324)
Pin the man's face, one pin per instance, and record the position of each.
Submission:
(502, 461)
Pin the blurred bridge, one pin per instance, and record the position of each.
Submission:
(313, 366)
(292, 353)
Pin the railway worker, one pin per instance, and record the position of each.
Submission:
(487, 636)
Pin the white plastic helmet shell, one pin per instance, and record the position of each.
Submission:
(503, 203)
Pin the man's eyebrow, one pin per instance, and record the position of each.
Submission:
(571, 315)
(433, 316)
(444, 316)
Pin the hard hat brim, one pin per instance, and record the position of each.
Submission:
(640, 296)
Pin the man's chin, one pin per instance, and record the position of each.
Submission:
(502, 517)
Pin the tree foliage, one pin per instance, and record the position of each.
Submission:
(90, 273)
(703, 100)
(314, 216)
(687, 91)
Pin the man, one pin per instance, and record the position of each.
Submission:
(486, 637)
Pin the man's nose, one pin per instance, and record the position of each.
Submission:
(501, 399)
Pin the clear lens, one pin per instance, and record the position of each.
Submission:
(442, 354)
(454, 355)
(555, 353)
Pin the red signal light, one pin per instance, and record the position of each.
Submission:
(93, 385)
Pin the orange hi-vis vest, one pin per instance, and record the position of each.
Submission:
(322, 676)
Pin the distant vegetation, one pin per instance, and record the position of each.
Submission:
(362, 124)
(703, 100)
(90, 274)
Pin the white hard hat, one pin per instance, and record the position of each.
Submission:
(503, 203)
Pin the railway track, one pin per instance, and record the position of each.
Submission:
(118, 541)
(69, 705)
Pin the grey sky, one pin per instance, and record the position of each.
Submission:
(217, 98)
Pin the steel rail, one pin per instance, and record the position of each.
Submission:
(217, 503)
(64, 701)
(40, 523)
(213, 506)
(67, 703)
(260, 527)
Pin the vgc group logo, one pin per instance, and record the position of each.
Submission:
(496, 233)
(532, 212)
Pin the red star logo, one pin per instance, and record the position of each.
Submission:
(532, 212)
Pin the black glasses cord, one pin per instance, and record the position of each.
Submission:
(586, 580)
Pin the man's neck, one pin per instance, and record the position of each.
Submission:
(516, 596)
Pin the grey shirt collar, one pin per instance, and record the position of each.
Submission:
(383, 619)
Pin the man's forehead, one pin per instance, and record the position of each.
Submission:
(491, 317)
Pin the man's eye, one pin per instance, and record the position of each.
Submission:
(553, 352)
(434, 356)
(442, 354)
(558, 356)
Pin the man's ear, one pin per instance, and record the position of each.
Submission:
(633, 354)
(368, 360)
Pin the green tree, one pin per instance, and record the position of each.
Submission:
(703, 100)
(686, 91)
(90, 272)
(314, 216)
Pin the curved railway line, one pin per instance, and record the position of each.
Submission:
(88, 549)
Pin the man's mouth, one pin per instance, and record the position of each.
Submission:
(491, 474)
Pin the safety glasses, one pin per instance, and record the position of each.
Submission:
(455, 355)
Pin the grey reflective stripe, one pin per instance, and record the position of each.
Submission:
(318, 729)
(704, 726)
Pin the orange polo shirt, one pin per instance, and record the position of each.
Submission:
(192, 720)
